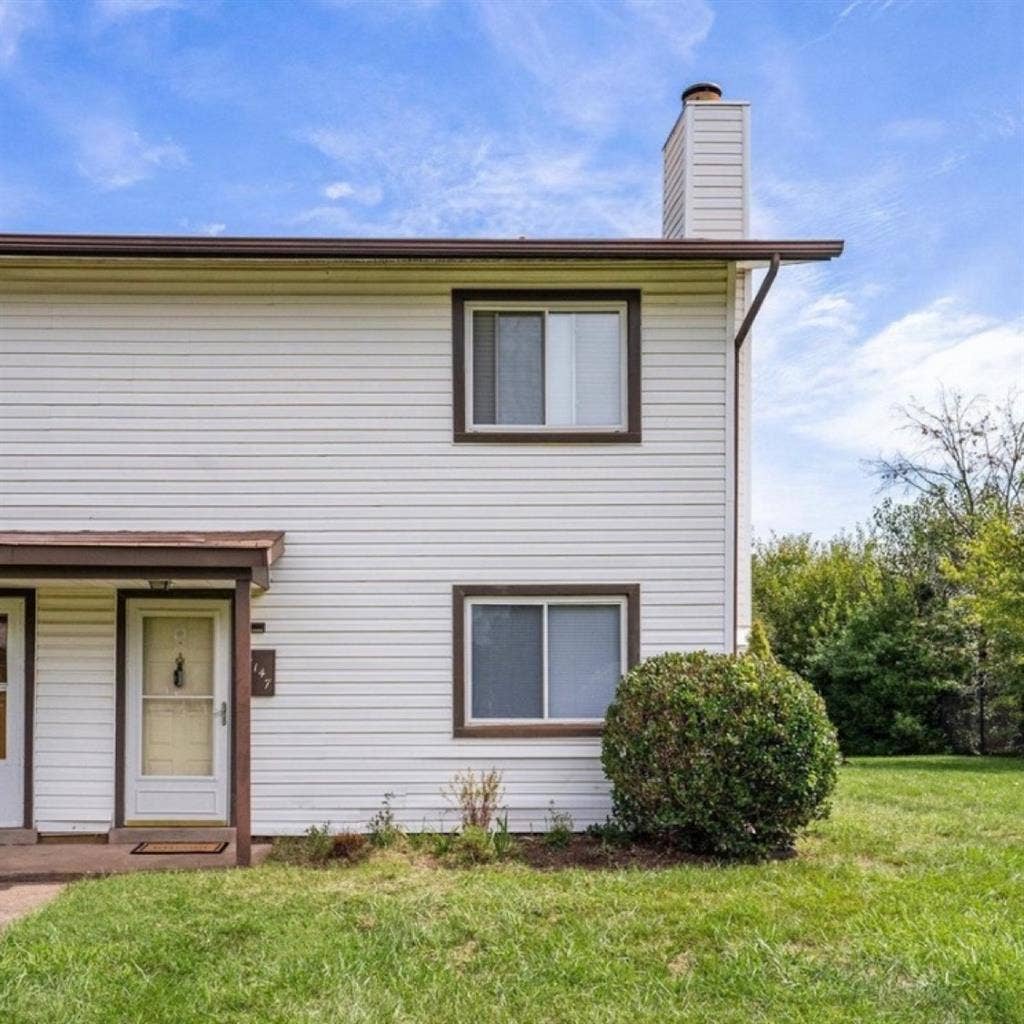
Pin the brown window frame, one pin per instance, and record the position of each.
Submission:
(463, 432)
(531, 730)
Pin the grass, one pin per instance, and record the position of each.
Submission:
(906, 906)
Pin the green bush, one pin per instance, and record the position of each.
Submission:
(473, 845)
(715, 754)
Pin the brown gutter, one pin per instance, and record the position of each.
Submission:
(185, 247)
(741, 336)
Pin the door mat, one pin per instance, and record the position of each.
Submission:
(165, 848)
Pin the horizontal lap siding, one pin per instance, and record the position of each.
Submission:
(74, 716)
(237, 402)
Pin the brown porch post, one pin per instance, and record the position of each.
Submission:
(241, 726)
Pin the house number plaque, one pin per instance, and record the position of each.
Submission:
(263, 672)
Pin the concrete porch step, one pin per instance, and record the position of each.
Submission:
(173, 834)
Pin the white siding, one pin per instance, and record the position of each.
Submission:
(74, 712)
(317, 399)
(705, 188)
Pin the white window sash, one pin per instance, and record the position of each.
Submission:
(545, 602)
(545, 308)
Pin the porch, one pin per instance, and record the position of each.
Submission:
(126, 683)
(67, 861)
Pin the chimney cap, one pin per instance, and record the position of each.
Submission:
(702, 91)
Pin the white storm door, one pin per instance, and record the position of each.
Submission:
(12, 712)
(177, 670)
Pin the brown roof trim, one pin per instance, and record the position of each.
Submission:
(170, 246)
(218, 552)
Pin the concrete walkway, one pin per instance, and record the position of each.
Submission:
(55, 862)
(20, 899)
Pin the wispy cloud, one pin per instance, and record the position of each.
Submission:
(113, 155)
(584, 79)
(338, 190)
(119, 10)
(18, 17)
(436, 180)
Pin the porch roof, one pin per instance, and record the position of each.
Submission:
(214, 553)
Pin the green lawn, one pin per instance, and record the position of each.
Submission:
(907, 905)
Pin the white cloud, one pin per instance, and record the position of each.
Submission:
(118, 10)
(442, 180)
(17, 17)
(213, 228)
(113, 155)
(584, 81)
(368, 194)
(915, 129)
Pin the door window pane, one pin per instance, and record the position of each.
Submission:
(177, 655)
(177, 736)
(506, 661)
(584, 659)
(177, 695)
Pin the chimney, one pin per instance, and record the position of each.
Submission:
(705, 184)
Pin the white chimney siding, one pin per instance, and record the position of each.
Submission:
(706, 184)
(706, 194)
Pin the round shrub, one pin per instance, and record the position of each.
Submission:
(718, 754)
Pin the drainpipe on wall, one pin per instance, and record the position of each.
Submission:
(741, 336)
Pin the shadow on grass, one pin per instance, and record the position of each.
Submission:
(940, 763)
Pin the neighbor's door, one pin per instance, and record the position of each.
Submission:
(12, 712)
(177, 668)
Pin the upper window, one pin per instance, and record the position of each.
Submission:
(547, 366)
(536, 661)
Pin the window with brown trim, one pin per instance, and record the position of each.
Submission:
(546, 365)
(540, 660)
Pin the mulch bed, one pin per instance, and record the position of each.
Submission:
(584, 851)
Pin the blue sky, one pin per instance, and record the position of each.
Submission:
(896, 125)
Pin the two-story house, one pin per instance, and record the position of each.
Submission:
(287, 524)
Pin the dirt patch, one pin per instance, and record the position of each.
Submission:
(18, 900)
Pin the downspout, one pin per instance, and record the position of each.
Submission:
(741, 336)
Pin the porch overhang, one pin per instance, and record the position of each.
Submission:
(217, 554)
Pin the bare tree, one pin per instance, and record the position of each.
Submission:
(969, 456)
(969, 462)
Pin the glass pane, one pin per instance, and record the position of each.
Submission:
(177, 656)
(598, 370)
(177, 736)
(558, 370)
(584, 659)
(3, 687)
(484, 394)
(507, 668)
(521, 368)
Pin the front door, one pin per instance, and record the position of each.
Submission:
(177, 671)
(12, 712)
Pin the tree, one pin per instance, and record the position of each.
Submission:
(966, 468)
(992, 578)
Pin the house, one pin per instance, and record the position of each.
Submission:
(287, 524)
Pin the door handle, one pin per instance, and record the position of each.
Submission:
(223, 712)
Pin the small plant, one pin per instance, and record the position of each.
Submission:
(351, 846)
(503, 840)
(476, 796)
(560, 827)
(382, 829)
(610, 832)
(441, 843)
(757, 643)
(473, 845)
(314, 847)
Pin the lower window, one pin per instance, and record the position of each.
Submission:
(541, 660)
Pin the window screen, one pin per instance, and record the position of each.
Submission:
(507, 668)
(547, 369)
(584, 659)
